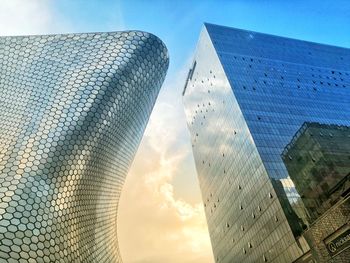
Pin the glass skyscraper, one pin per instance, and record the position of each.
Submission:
(73, 109)
(269, 120)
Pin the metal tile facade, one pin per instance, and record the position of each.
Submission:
(73, 110)
(245, 97)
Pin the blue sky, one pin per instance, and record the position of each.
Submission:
(178, 23)
(161, 217)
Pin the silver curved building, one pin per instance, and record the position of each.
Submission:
(73, 110)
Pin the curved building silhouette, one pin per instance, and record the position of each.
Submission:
(73, 110)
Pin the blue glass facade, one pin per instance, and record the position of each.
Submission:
(246, 96)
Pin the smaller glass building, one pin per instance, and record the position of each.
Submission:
(318, 162)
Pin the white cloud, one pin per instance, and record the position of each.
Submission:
(22, 17)
(153, 224)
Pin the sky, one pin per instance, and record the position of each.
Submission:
(161, 216)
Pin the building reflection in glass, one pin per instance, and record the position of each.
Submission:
(318, 162)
